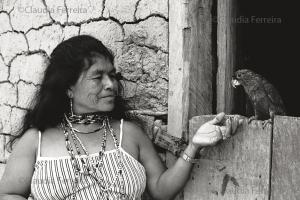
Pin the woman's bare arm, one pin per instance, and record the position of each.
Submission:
(16, 180)
(166, 183)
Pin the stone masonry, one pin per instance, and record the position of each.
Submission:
(135, 30)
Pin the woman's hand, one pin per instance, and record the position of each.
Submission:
(210, 133)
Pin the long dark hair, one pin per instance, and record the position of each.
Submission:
(67, 61)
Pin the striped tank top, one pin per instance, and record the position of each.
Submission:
(53, 177)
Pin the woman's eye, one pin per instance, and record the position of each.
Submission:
(113, 75)
(98, 77)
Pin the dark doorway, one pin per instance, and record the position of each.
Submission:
(268, 44)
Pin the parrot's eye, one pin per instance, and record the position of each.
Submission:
(238, 75)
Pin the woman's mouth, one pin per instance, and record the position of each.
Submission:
(110, 97)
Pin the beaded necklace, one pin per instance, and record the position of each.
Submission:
(90, 167)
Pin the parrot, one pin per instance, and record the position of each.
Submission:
(264, 97)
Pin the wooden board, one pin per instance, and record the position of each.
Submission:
(190, 66)
(237, 168)
(199, 53)
(226, 42)
(176, 106)
(286, 159)
(190, 63)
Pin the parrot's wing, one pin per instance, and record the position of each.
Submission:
(273, 94)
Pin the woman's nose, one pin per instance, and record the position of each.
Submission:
(107, 82)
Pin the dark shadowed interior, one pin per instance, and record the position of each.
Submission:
(268, 40)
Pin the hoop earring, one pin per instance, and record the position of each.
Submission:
(71, 107)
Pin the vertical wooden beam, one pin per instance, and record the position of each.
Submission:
(190, 66)
(285, 175)
(226, 41)
(237, 168)
(190, 63)
(178, 70)
(199, 52)
(178, 75)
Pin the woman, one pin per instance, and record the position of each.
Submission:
(75, 143)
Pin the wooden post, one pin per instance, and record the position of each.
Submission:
(190, 63)
(199, 52)
(237, 168)
(285, 180)
(226, 41)
(178, 70)
(190, 66)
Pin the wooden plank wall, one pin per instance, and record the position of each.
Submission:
(226, 45)
(286, 159)
(237, 168)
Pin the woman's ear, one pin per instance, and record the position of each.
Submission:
(70, 93)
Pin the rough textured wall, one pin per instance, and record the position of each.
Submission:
(136, 31)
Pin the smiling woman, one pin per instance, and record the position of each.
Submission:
(76, 142)
(96, 88)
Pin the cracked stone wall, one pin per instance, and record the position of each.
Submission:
(136, 31)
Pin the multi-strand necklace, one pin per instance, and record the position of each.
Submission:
(91, 167)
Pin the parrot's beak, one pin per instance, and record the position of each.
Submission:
(235, 83)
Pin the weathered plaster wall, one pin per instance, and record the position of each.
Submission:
(136, 31)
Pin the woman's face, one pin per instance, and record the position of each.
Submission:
(96, 88)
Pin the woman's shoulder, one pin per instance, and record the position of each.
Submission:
(28, 142)
(52, 135)
(30, 135)
(135, 130)
(53, 131)
(30, 139)
(132, 126)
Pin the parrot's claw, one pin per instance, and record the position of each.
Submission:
(251, 119)
(266, 122)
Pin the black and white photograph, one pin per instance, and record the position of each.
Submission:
(149, 100)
